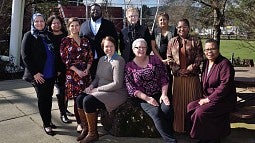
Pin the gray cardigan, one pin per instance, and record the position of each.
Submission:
(109, 82)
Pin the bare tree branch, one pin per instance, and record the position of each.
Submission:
(204, 3)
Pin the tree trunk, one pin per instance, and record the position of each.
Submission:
(217, 20)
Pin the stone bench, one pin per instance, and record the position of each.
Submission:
(245, 108)
(129, 120)
(244, 113)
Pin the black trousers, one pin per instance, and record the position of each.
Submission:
(44, 94)
(89, 103)
(93, 68)
(162, 117)
(61, 97)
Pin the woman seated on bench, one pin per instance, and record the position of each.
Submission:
(105, 92)
(210, 115)
(146, 79)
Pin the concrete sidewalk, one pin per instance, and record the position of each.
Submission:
(21, 122)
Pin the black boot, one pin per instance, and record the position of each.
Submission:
(68, 113)
(62, 109)
(64, 119)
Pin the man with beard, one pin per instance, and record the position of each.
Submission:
(95, 30)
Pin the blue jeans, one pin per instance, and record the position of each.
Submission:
(162, 117)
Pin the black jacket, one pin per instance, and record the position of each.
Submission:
(127, 37)
(34, 56)
(107, 28)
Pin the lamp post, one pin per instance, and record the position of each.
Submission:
(124, 14)
(141, 13)
(16, 30)
(85, 2)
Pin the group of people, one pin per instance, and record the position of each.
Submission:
(84, 64)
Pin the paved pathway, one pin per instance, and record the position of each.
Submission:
(20, 121)
(245, 76)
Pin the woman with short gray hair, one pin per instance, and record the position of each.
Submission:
(146, 79)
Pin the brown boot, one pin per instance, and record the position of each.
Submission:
(92, 126)
(84, 125)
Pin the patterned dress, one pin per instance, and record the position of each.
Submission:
(79, 56)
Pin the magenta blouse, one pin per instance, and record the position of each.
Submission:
(148, 80)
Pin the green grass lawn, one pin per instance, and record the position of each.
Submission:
(240, 48)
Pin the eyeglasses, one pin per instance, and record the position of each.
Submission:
(141, 48)
(182, 27)
(212, 49)
(133, 16)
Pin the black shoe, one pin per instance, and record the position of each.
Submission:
(53, 126)
(49, 131)
(65, 120)
(68, 113)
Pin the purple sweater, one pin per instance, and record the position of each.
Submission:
(148, 80)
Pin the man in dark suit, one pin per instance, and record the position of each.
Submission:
(95, 30)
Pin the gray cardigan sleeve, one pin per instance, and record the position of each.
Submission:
(118, 76)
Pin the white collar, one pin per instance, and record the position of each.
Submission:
(99, 20)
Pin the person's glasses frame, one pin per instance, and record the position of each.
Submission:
(182, 27)
(133, 16)
(140, 48)
(211, 49)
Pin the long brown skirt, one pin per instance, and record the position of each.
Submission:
(185, 90)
